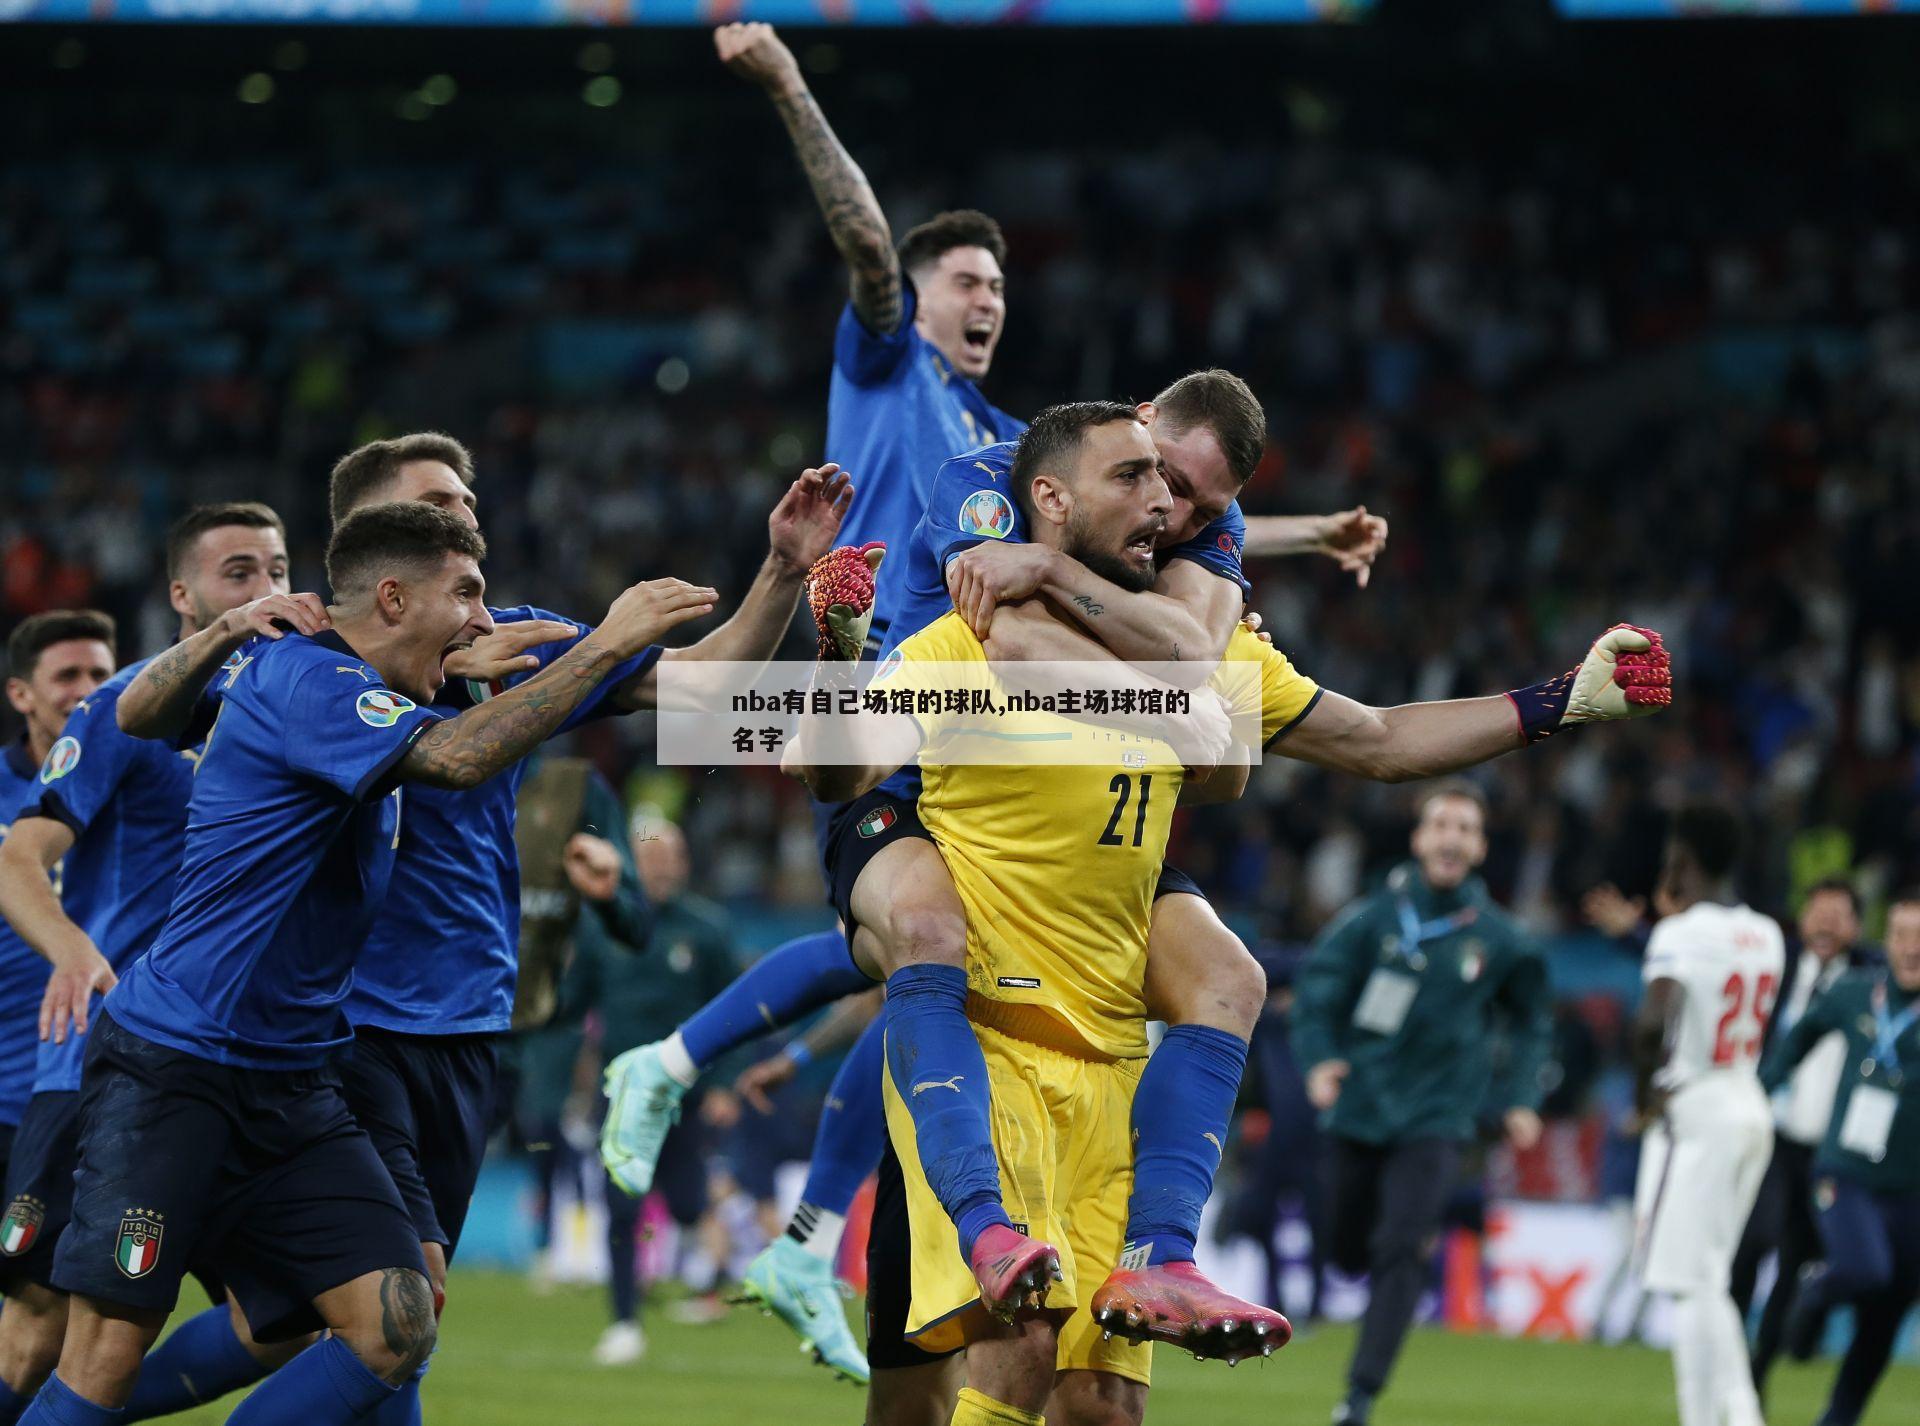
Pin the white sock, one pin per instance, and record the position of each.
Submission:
(1739, 1402)
(818, 1231)
(675, 1060)
(1712, 1374)
(1696, 1353)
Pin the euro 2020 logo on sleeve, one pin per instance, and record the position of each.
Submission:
(986, 513)
(381, 707)
(62, 758)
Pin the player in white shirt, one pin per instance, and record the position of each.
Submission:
(1712, 974)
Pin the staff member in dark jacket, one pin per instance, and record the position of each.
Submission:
(641, 999)
(1396, 1008)
(1782, 1219)
(1866, 1174)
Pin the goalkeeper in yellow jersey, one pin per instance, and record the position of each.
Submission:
(1057, 877)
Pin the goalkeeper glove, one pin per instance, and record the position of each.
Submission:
(1626, 674)
(840, 589)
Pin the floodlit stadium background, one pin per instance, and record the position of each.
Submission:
(1610, 319)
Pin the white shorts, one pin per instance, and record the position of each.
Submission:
(1700, 1170)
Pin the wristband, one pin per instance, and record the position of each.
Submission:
(799, 1054)
(1541, 706)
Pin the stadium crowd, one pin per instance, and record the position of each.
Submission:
(1572, 407)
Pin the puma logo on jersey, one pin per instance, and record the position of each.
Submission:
(925, 1085)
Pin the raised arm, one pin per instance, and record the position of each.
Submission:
(799, 531)
(842, 757)
(465, 751)
(160, 701)
(1626, 674)
(1351, 538)
(854, 220)
(1823, 1015)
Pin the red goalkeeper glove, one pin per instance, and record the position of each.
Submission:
(1626, 674)
(840, 593)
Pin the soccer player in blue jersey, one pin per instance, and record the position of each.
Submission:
(421, 1074)
(111, 813)
(55, 661)
(212, 1126)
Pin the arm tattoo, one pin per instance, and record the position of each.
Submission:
(854, 219)
(406, 1320)
(465, 751)
(169, 670)
(1091, 607)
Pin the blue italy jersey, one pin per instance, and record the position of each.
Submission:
(125, 799)
(23, 975)
(895, 411)
(291, 833)
(972, 502)
(444, 950)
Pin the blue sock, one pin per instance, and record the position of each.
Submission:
(1180, 1116)
(846, 1145)
(940, 1073)
(11, 1405)
(201, 1361)
(403, 1407)
(60, 1405)
(780, 987)
(324, 1386)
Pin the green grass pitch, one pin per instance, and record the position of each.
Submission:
(508, 1358)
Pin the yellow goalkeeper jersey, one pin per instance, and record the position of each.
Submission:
(1056, 862)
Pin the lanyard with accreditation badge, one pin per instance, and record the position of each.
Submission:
(1871, 1107)
(1389, 992)
(1887, 1032)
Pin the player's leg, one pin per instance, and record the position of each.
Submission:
(98, 1362)
(909, 1386)
(1878, 1315)
(923, 1395)
(320, 1237)
(794, 1278)
(1415, 1179)
(895, 895)
(207, 1356)
(33, 1324)
(380, 1331)
(1859, 1260)
(39, 1196)
(1352, 1172)
(1203, 982)
(1010, 1374)
(1799, 1247)
(1739, 1399)
(153, 1134)
(622, 1341)
(646, 1084)
(1766, 1225)
(846, 1146)
(1088, 1398)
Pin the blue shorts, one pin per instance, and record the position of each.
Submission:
(39, 1187)
(858, 832)
(427, 1102)
(260, 1174)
